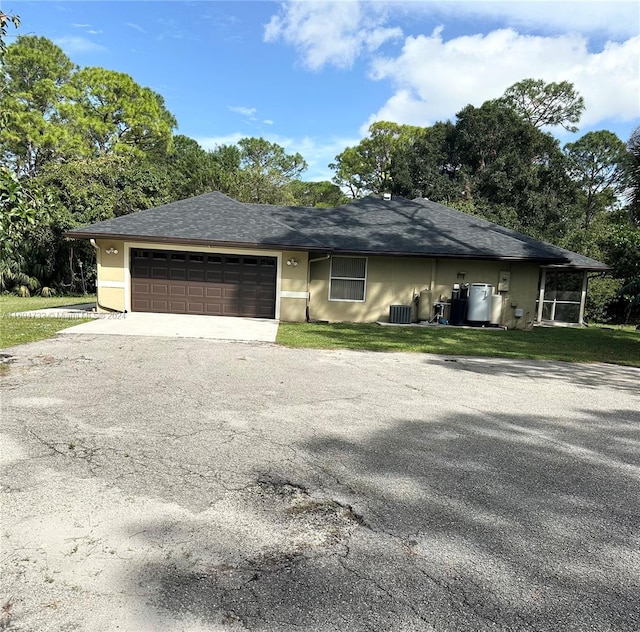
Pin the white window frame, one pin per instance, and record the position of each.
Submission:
(364, 279)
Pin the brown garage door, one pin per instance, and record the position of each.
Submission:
(201, 283)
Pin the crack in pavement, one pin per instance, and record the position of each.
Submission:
(392, 596)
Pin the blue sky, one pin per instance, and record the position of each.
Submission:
(313, 75)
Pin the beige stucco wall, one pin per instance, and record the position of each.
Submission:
(111, 273)
(522, 294)
(293, 280)
(392, 281)
(522, 287)
(111, 299)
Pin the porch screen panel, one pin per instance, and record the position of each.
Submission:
(562, 296)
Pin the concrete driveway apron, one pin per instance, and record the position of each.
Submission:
(181, 326)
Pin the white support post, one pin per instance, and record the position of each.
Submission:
(543, 281)
(583, 298)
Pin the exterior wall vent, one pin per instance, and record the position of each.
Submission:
(400, 314)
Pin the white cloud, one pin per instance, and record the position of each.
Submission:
(245, 111)
(617, 18)
(317, 153)
(610, 82)
(337, 32)
(331, 32)
(434, 79)
(89, 29)
(213, 142)
(73, 45)
(136, 27)
(268, 122)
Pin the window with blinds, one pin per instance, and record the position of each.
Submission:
(348, 279)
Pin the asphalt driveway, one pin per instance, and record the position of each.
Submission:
(193, 485)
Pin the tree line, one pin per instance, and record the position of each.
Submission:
(500, 161)
(81, 145)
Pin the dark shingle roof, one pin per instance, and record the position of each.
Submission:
(208, 218)
(371, 225)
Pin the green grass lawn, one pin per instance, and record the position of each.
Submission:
(14, 331)
(594, 344)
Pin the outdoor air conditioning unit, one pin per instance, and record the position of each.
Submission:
(400, 314)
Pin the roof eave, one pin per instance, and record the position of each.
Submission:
(546, 261)
(574, 266)
(443, 255)
(192, 242)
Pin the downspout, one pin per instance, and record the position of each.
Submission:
(106, 309)
(325, 258)
(543, 282)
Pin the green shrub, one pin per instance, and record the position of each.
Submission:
(602, 293)
(47, 292)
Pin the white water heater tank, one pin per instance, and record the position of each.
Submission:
(479, 304)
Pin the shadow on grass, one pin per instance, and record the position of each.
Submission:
(476, 522)
(563, 344)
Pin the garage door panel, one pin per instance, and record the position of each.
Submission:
(220, 285)
(177, 290)
(141, 287)
(159, 273)
(195, 291)
(213, 276)
(213, 292)
(140, 305)
(196, 275)
(159, 289)
(177, 307)
(213, 309)
(230, 310)
(193, 308)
